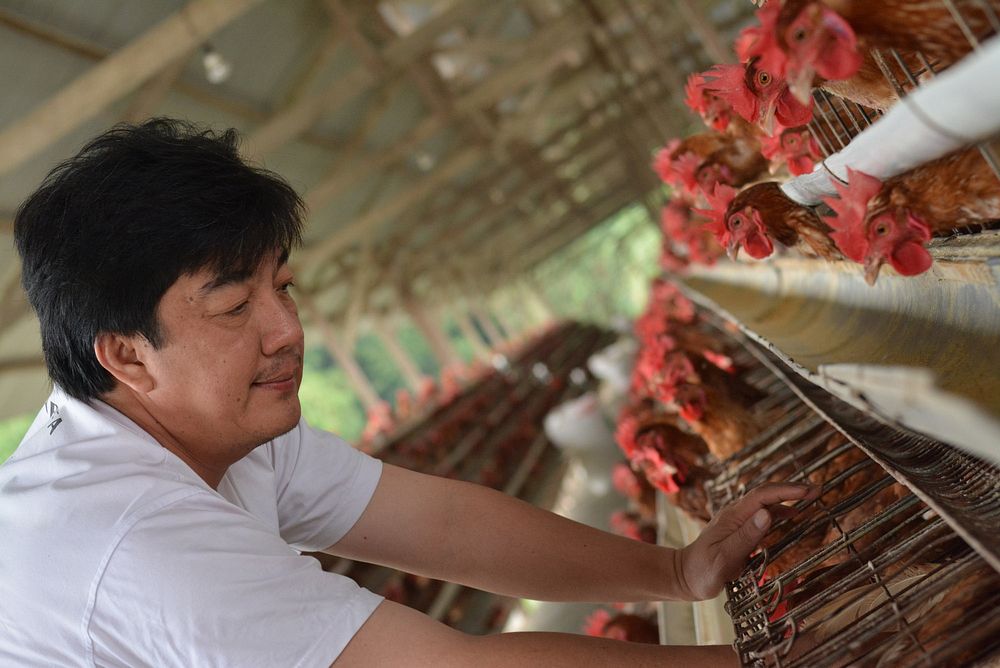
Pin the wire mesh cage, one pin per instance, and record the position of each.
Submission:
(836, 120)
(874, 572)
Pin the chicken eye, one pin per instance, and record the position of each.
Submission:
(735, 222)
(793, 140)
(799, 35)
(763, 78)
(881, 229)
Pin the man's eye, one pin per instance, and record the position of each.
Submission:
(239, 309)
(284, 286)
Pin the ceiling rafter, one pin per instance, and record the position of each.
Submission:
(289, 123)
(600, 172)
(338, 180)
(530, 186)
(537, 180)
(114, 77)
(534, 249)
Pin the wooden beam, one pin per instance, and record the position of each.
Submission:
(524, 70)
(531, 254)
(390, 339)
(433, 332)
(153, 92)
(710, 38)
(539, 57)
(466, 239)
(534, 248)
(419, 190)
(452, 231)
(115, 77)
(22, 363)
(358, 295)
(296, 118)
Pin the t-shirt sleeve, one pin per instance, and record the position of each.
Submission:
(203, 583)
(323, 486)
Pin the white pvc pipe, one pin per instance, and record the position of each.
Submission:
(959, 107)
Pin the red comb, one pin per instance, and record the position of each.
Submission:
(675, 219)
(625, 435)
(771, 147)
(852, 209)
(728, 83)
(595, 623)
(755, 40)
(686, 170)
(692, 402)
(719, 200)
(663, 162)
(694, 91)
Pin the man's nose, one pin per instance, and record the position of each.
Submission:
(281, 328)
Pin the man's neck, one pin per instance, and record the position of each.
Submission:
(129, 405)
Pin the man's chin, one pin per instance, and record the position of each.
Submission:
(282, 421)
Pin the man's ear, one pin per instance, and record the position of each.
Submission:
(122, 357)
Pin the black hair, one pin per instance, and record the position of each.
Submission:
(111, 229)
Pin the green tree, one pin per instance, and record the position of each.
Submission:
(329, 403)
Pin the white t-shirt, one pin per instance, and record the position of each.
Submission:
(114, 553)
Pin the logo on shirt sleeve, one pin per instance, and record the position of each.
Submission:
(52, 409)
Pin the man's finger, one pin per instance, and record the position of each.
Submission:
(743, 541)
(771, 494)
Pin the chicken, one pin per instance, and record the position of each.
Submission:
(622, 626)
(756, 88)
(977, 593)
(715, 111)
(681, 231)
(691, 497)
(795, 147)
(715, 406)
(404, 404)
(795, 49)
(631, 524)
(666, 164)
(703, 159)
(636, 489)
(890, 222)
(736, 165)
(829, 37)
(787, 550)
(817, 52)
(760, 215)
(655, 446)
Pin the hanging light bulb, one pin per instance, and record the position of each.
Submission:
(217, 68)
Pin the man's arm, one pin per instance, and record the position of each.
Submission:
(398, 636)
(476, 536)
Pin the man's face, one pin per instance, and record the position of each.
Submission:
(227, 374)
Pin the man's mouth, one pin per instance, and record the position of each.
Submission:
(282, 380)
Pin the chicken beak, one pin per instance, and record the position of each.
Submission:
(733, 249)
(801, 86)
(872, 266)
(767, 120)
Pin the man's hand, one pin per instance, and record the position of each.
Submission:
(720, 552)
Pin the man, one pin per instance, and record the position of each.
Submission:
(154, 513)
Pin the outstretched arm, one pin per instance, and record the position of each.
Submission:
(398, 636)
(476, 536)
